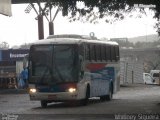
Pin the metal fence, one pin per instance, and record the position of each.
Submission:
(131, 72)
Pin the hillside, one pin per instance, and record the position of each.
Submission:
(148, 38)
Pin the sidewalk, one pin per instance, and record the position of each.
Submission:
(13, 91)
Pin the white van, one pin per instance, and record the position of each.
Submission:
(148, 79)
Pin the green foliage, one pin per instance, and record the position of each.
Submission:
(104, 6)
(4, 45)
(114, 8)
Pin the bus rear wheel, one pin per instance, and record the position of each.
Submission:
(110, 94)
(43, 104)
(103, 98)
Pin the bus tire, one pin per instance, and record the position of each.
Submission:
(43, 104)
(84, 101)
(103, 98)
(110, 95)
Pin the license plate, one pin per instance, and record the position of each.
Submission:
(51, 97)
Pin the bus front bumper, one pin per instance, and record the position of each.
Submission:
(62, 96)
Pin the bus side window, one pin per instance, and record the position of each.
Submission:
(87, 52)
(81, 50)
(93, 53)
(103, 52)
(113, 53)
(117, 53)
(98, 52)
(108, 53)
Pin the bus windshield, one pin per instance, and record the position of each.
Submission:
(52, 64)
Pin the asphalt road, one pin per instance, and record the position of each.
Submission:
(137, 101)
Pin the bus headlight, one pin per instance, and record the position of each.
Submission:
(32, 90)
(71, 90)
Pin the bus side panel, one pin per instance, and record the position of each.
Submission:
(99, 86)
(101, 77)
(116, 80)
(82, 86)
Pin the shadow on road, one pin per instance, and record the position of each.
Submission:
(70, 104)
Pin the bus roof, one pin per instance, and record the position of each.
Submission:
(72, 39)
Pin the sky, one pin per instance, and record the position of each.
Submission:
(22, 28)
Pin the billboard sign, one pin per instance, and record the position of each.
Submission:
(13, 54)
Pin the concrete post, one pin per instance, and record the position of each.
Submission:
(40, 27)
(132, 76)
(51, 28)
(159, 79)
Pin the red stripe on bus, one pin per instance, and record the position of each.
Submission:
(95, 66)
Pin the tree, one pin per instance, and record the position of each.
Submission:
(152, 61)
(115, 8)
(4, 45)
(104, 5)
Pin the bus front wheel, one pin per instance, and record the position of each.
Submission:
(85, 101)
(43, 104)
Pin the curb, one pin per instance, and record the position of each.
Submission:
(13, 91)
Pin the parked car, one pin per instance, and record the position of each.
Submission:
(148, 79)
(156, 75)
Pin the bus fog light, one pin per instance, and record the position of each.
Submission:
(71, 90)
(32, 90)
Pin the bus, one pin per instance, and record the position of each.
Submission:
(73, 68)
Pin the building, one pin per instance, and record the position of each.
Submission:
(11, 64)
(134, 62)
